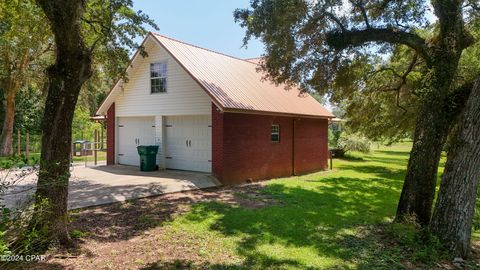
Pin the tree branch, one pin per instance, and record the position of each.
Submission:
(360, 6)
(402, 82)
(49, 48)
(336, 20)
(410, 67)
(398, 102)
(354, 38)
(375, 72)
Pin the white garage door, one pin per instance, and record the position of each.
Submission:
(134, 131)
(188, 143)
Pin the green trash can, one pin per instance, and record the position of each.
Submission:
(148, 157)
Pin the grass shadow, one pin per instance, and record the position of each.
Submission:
(349, 157)
(316, 219)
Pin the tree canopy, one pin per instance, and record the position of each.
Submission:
(25, 45)
(369, 55)
(381, 58)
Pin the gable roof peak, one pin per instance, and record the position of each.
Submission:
(202, 48)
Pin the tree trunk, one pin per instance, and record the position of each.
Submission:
(418, 190)
(6, 138)
(11, 86)
(65, 78)
(435, 118)
(455, 207)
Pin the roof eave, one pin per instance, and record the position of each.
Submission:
(247, 111)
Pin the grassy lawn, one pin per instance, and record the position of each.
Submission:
(6, 162)
(100, 157)
(327, 220)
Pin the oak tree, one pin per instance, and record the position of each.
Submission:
(314, 43)
(455, 206)
(115, 25)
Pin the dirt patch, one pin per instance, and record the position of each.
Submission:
(128, 235)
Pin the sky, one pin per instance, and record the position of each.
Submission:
(206, 23)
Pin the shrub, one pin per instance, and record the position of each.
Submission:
(334, 133)
(353, 143)
(16, 236)
(77, 234)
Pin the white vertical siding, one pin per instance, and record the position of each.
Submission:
(160, 141)
(183, 97)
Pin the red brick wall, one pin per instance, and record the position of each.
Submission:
(247, 152)
(217, 143)
(311, 145)
(111, 135)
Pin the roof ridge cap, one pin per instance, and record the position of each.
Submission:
(196, 46)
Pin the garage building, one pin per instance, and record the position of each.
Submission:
(210, 112)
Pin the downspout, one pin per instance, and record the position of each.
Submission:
(293, 146)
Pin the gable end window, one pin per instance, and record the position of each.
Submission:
(275, 133)
(158, 77)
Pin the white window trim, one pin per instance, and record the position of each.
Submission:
(166, 77)
(275, 133)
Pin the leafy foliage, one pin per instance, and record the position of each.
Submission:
(298, 35)
(425, 246)
(77, 234)
(82, 127)
(111, 28)
(368, 56)
(28, 116)
(14, 221)
(386, 107)
(29, 108)
(25, 45)
(24, 40)
(334, 133)
(353, 142)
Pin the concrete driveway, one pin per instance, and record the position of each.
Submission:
(91, 186)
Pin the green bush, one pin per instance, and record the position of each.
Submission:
(77, 234)
(353, 142)
(4, 247)
(334, 133)
(18, 161)
(16, 234)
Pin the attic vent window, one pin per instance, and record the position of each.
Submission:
(158, 77)
(275, 133)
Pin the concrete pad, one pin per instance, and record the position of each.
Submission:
(98, 185)
(106, 184)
